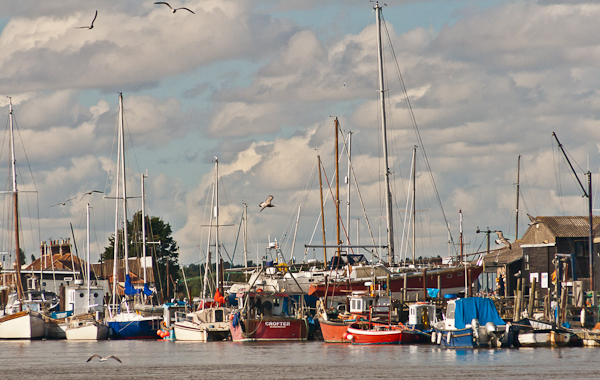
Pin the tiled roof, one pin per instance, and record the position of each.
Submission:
(504, 255)
(569, 226)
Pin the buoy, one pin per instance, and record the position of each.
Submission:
(231, 317)
(345, 336)
(158, 332)
(433, 337)
(167, 334)
(350, 337)
(439, 338)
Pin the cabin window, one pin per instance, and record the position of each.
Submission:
(218, 315)
(95, 295)
(276, 302)
(81, 295)
(449, 275)
(460, 273)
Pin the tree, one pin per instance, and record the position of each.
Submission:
(160, 246)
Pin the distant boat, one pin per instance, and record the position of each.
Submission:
(205, 325)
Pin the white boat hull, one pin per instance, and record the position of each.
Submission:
(204, 332)
(88, 331)
(23, 325)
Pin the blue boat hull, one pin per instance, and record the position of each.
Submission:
(143, 329)
(462, 338)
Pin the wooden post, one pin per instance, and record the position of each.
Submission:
(404, 290)
(424, 284)
(439, 286)
(532, 292)
(470, 290)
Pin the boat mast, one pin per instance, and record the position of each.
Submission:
(414, 203)
(144, 225)
(322, 214)
(349, 146)
(125, 235)
(337, 188)
(15, 204)
(246, 239)
(217, 250)
(88, 254)
(517, 209)
(388, 194)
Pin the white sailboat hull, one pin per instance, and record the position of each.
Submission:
(22, 325)
(190, 331)
(88, 331)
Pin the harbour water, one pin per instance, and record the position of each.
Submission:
(308, 360)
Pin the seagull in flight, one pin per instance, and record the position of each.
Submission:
(173, 10)
(103, 359)
(266, 203)
(90, 192)
(65, 202)
(88, 27)
(502, 239)
(533, 220)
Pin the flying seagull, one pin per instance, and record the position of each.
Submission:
(103, 359)
(65, 202)
(88, 27)
(173, 10)
(90, 192)
(502, 239)
(266, 203)
(534, 221)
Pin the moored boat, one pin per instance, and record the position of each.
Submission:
(266, 316)
(379, 333)
(25, 324)
(204, 325)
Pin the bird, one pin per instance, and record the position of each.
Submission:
(92, 24)
(90, 192)
(502, 239)
(533, 220)
(266, 203)
(65, 202)
(103, 359)
(173, 10)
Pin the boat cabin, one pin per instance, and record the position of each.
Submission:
(78, 301)
(34, 300)
(421, 315)
(265, 304)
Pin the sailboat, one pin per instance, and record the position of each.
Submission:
(23, 317)
(123, 320)
(86, 326)
(399, 281)
(210, 322)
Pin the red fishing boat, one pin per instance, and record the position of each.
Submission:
(268, 316)
(363, 307)
(380, 334)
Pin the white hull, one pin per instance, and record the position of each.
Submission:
(543, 339)
(200, 332)
(88, 331)
(24, 325)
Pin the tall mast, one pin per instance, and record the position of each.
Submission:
(123, 175)
(460, 229)
(388, 194)
(217, 248)
(337, 187)
(517, 209)
(246, 239)
(87, 234)
(349, 145)
(144, 226)
(414, 203)
(15, 202)
(205, 289)
(322, 214)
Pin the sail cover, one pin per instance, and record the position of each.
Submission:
(482, 309)
(129, 289)
(147, 290)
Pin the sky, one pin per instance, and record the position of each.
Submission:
(259, 83)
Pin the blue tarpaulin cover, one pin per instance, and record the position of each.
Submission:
(482, 309)
(432, 292)
(129, 289)
(147, 290)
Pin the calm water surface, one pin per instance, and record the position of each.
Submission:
(308, 360)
